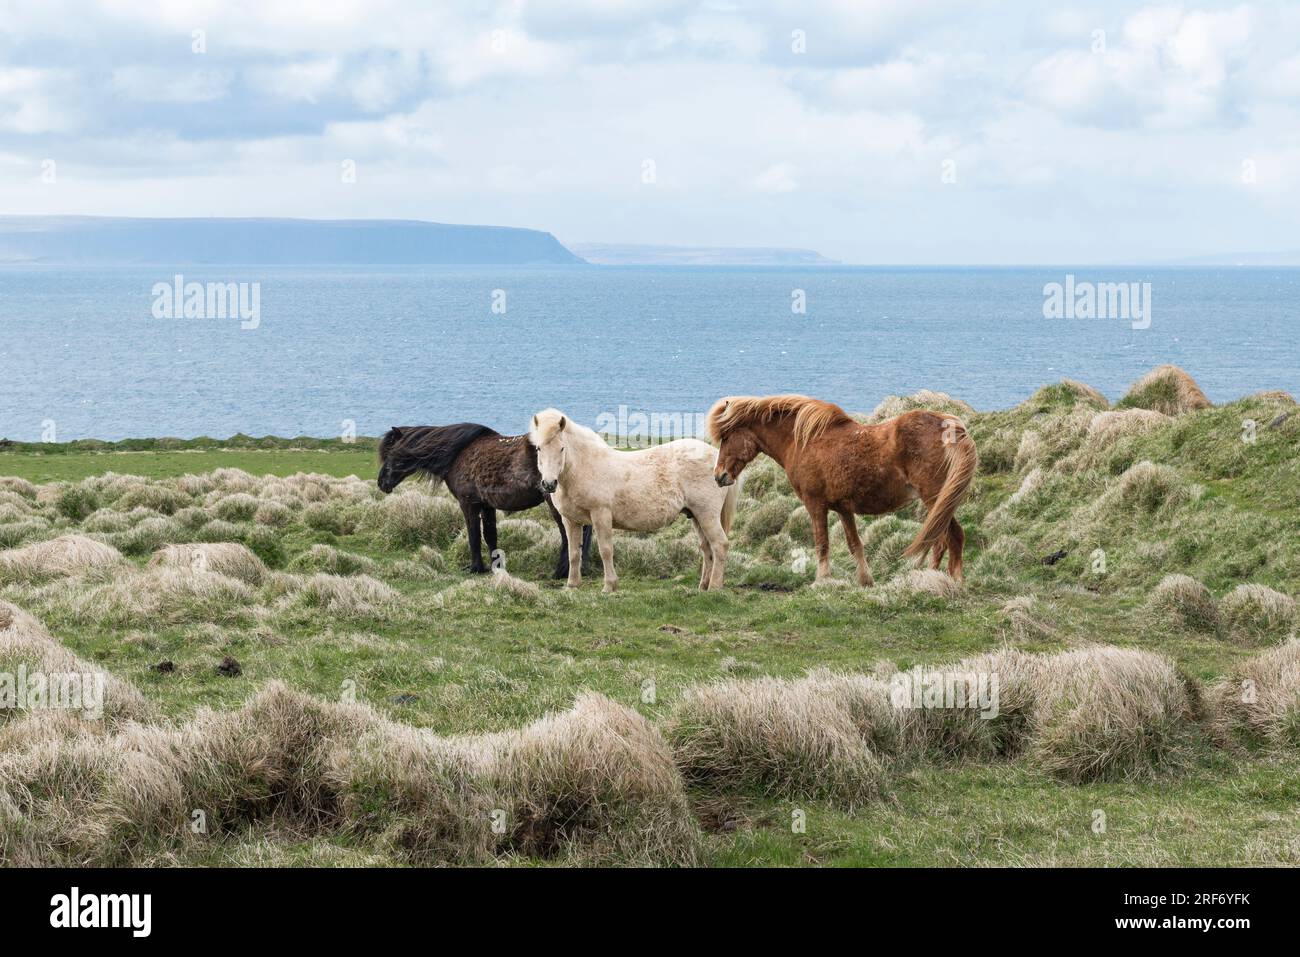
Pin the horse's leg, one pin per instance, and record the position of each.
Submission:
(956, 542)
(586, 546)
(706, 548)
(821, 538)
(936, 556)
(573, 533)
(561, 566)
(471, 512)
(850, 523)
(490, 534)
(712, 526)
(603, 522)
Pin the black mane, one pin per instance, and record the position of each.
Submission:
(429, 448)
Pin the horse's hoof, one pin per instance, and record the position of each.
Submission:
(610, 588)
(476, 569)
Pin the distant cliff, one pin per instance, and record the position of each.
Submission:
(111, 241)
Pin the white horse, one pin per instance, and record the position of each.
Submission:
(593, 484)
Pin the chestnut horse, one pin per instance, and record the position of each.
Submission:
(836, 464)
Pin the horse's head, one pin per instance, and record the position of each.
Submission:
(393, 465)
(738, 449)
(547, 436)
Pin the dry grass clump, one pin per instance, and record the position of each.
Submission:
(1257, 611)
(24, 640)
(230, 480)
(595, 784)
(1144, 487)
(918, 581)
(941, 402)
(766, 519)
(1106, 428)
(1107, 713)
(1082, 715)
(226, 558)
(1084, 392)
(18, 486)
(164, 499)
(1280, 396)
(1186, 600)
(65, 555)
(162, 594)
(1261, 702)
(239, 507)
(273, 513)
(1025, 619)
(149, 534)
(489, 589)
(407, 519)
(13, 534)
(333, 561)
(349, 595)
(1166, 389)
(785, 738)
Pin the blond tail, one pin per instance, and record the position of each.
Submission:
(961, 459)
(729, 506)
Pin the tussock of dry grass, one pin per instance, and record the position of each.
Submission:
(334, 561)
(893, 405)
(595, 784)
(1186, 601)
(490, 588)
(169, 594)
(1095, 713)
(1255, 611)
(802, 738)
(1166, 389)
(1261, 702)
(25, 641)
(348, 595)
(1109, 712)
(918, 581)
(65, 555)
(409, 518)
(226, 558)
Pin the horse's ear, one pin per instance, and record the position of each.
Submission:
(395, 432)
(534, 421)
(563, 422)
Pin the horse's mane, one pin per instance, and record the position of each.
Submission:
(812, 417)
(429, 448)
(547, 423)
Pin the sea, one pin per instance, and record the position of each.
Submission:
(149, 351)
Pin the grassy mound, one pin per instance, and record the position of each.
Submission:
(65, 555)
(1260, 703)
(1166, 389)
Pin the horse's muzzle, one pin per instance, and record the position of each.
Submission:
(723, 479)
(549, 487)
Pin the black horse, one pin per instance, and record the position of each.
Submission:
(485, 470)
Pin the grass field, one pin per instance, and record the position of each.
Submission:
(334, 593)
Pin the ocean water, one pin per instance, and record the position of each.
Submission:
(82, 354)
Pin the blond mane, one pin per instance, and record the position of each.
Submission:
(812, 417)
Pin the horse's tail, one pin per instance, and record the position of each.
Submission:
(729, 506)
(960, 459)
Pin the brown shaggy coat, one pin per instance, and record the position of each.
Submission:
(835, 464)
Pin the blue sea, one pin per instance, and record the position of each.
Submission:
(83, 355)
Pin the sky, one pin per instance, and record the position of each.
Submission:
(893, 131)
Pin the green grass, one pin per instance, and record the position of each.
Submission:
(465, 666)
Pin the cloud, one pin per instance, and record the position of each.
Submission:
(542, 113)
